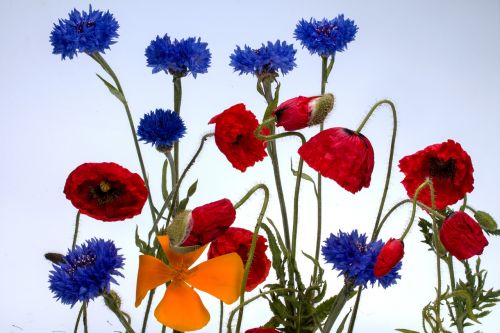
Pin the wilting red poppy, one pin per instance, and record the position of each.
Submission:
(301, 112)
(209, 221)
(390, 254)
(462, 236)
(342, 155)
(234, 135)
(239, 240)
(449, 167)
(106, 191)
(262, 330)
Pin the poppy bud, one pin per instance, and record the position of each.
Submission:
(486, 221)
(462, 236)
(390, 254)
(342, 155)
(207, 222)
(300, 112)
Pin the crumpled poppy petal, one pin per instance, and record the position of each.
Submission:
(152, 273)
(220, 277)
(181, 308)
(179, 260)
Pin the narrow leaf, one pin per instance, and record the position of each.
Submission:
(342, 324)
(113, 90)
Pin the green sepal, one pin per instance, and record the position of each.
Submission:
(190, 192)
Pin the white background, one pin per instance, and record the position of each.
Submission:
(438, 61)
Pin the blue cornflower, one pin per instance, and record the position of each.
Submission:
(161, 128)
(268, 59)
(326, 37)
(86, 272)
(84, 32)
(355, 259)
(179, 57)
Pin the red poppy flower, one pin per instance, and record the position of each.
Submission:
(239, 240)
(234, 135)
(301, 112)
(262, 330)
(391, 253)
(462, 236)
(342, 155)
(449, 167)
(209, 221)
(106, 191)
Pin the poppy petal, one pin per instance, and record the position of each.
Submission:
(176, 259)
(220, 277)
(152, 273)
(181, 308)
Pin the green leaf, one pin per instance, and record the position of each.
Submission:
(304, 176)
(342, 323)
(183, 203)
(142, 245)
(113, 90)
(192, 189)
(277, 262)
(323, 309)
(403, 330)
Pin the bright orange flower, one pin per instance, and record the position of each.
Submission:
(181, 307)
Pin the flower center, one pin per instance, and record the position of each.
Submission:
(79, 26)
(104, 193)
(238, 139)
(181, 274)
(361, 247)
(442, 169)
(83, 261)
(325, 29)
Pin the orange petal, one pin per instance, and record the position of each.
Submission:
(152, 273)
(220, 277)
(179, 260)
(181, 308)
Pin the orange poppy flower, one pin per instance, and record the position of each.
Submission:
(181, 307)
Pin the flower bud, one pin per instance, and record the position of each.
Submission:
(208, 222)
(462, 236)
(55, 258)
(180, 227)
(486, 221)
(300, 112)
(390, 254)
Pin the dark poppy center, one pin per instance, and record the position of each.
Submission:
(105, 192)
(238, 139)
(83, 261)
(442, 169)
(278, 113)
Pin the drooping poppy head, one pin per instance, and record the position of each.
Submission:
(204, 223)
(462, 236)
(301, 112)
(449, 167)
(239, 240)
(106, 191)
(342, 155)
(391, 253)
(235, 138)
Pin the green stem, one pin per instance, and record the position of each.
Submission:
(221, 316)
(177, 108)
(78, 318)
(148, 309)
(438, 259)
(163, 328)
(164, 190)
(458, 314)
(464, 203)
(250, 300)
(85, 321)
(251, 252)
(340, 300)
(172, 168)
(101, 61)
(470, 208)
(111, 304)
(77, 225)
(355, 311)
(426, 183)
(273, 154)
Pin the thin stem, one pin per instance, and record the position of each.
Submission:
(355, 311)
(172, 168)
(85, 321)
(78, 318)
(340, 300)
(163, 328)
(177, 108)
(296, 208)
(221, 316)
(426, 183)
(470, 208)
(464, 203)
(101, 61)
(458, 314)
(164, 190)
(438, 259)
(146, 313)
(273, 154)
(77, 225)
(251, 252)
(111, 304)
